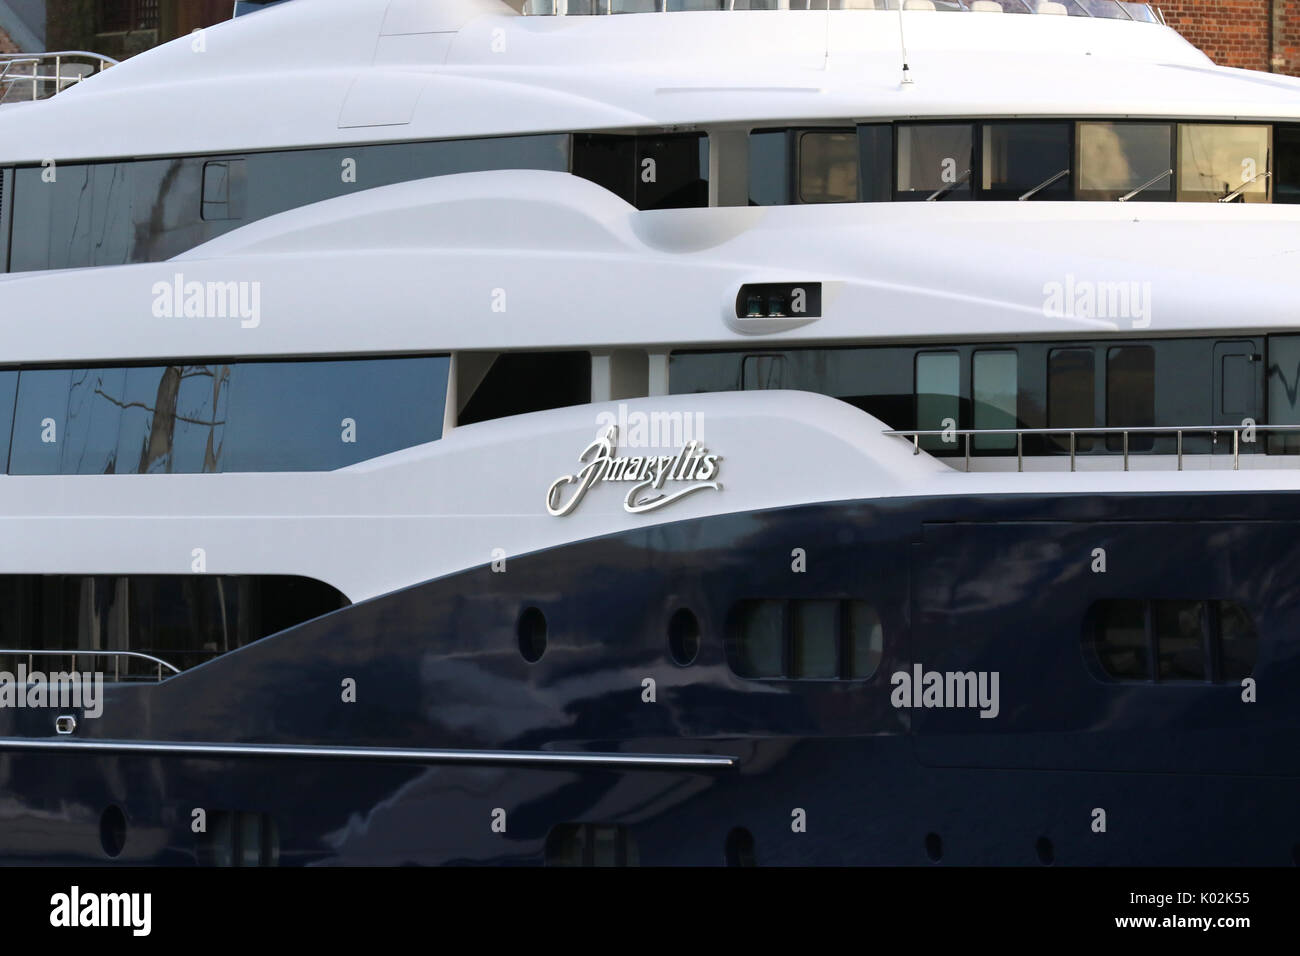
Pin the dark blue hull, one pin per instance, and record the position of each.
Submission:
(1187, 773)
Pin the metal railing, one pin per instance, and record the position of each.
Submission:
(90, 652)
(1178, 430)
(48, 73)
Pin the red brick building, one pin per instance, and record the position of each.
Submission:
(1251, 34)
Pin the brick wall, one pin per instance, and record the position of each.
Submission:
(7, 45)
(1238, 32)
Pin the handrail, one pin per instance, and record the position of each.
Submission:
(58, 59)
(89, 652)
(915, 435)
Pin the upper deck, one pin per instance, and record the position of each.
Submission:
(333, 72)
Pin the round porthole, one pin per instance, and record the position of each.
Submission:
(532, 634)
(934, 847)
(739, 848)
(112, 830)
(683, 638)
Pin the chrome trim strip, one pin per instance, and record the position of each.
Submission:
(395, 754)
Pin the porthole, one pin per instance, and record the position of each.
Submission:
(739, 849)
(683, 638)
(112, 830)
(934, 847)
(532, 634)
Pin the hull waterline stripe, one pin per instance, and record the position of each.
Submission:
(399, 755)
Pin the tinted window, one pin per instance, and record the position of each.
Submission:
(993, 380)
(805, 639)
(828, 167)
(937, 397)
(174, 419)
(185, 620)
(1130, 394)
(1286, 140)
(521, 382)
(649, 172)
(760, 639)
(318, 416)
(40, 422)
(1030, 160)
(1180, 639)
(769, 168)
(1215, 161)
(1121, 639)
(934, 161)
(1238, 641)
(876, 162)
(590, 844)
(1284, 392)
(816, 639)
(95, 402)
(8, 393)
(1116, 159)
(1070, 394)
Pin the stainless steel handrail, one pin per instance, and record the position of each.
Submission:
(915, 437)
(89, 652)
(58, 60)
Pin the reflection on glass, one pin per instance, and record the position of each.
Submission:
(760, 639)
(1070, 381)
(1030, 160)
(94, 414)
(1180, 639)
(1121, 639)
(828, 167)
(993, 379)
(1115, 159)
(866, 639)
(934, 161)
(937, 402)
(816, 637)
(1223, 162)
(1284, 392)
(1131, 395)
(40, 421)
(768, 170)
(1238, 641)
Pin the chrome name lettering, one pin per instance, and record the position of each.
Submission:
(600, 461)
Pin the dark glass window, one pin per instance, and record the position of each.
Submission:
(94, 416)
(668, 171)
(1284, 392)
(184, 620)
(828, 166)
(769, 168)
(1121, 636)
(1179, 628)
(935, 161)
(521, 382)
(876, 162)
(40, 422)
(1238, 641)
(318, 416)
(816, 639)
(760, 639)
(1173, 640)
(938, 398)
(1130, 394)
(590, 844)
(8, 394)
(1071, 380)
(224, 189)
(865, 643)
(1286, 140)
(805, 639)
(1116, 160)
(994, 382)
(1029, 160)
